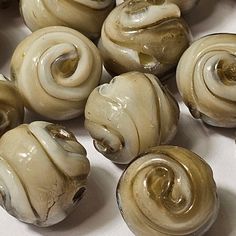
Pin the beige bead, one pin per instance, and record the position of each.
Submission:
(55, 70)
(86, 16)
(184, 5)
(43, 172)
(206, 79)
(129, 115)
(168, 191)
(144, 36)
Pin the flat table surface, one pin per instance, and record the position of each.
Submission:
(97, 213)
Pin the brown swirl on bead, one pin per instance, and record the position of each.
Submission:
(60, 66)
(207, 82)
(168, 191)
(145, 36)
(184, 5)
(46, 171)
(137, 113)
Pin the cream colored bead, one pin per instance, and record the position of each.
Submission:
(55, 70)
(144, 36)
(129, 115)
(43, 172)
(86, 16)
(206, 79)
(168, 191)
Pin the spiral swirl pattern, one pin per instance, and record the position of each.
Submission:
(168, 191)
(137, 113)
(43, 172)
(11, 106)
(207, 82)
(145, 36)
(60, 67)
(86, 16)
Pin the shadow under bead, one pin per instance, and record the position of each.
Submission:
(5, 3)
(11, 106)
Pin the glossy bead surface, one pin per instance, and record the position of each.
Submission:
(206, 79)
(184, 5)
(43, 172)
(86, 16)
(55, 70)
(145, 36)
(129, 115)
(168, 191)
